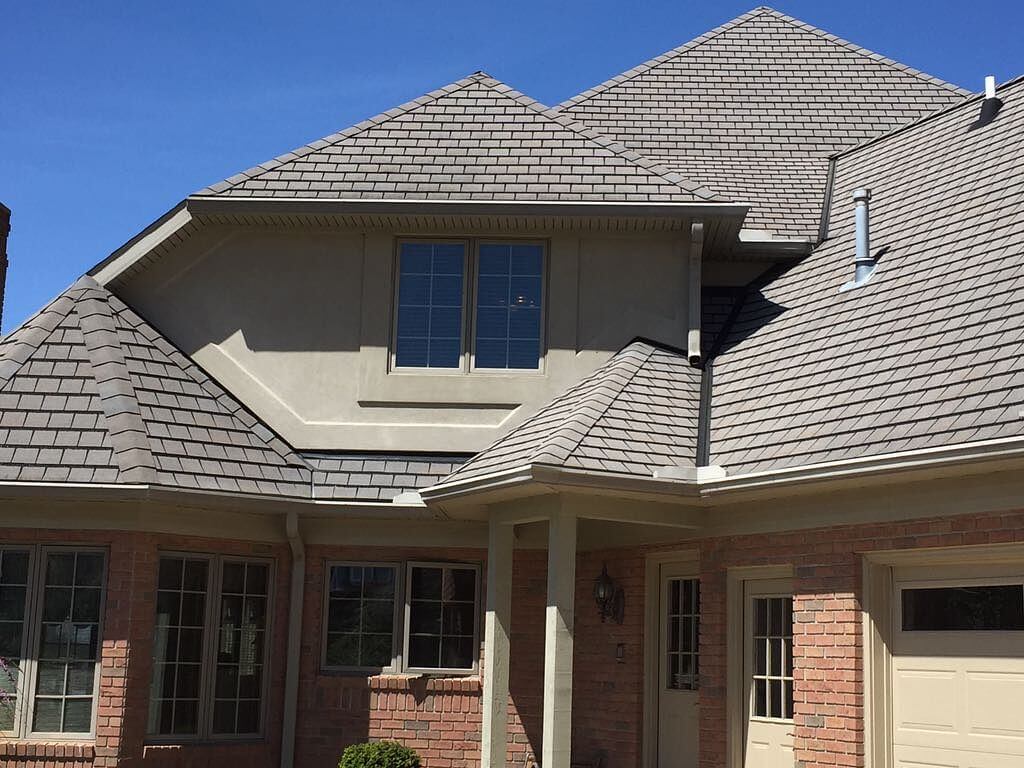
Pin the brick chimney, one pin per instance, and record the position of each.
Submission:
(5, 229)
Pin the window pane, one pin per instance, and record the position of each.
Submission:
(508, 306)
(360, 616)
(181, 602)
(430, 302)
(953, 609)
(240, 648)
(682, 631)
(68, 642)
(442, 617)
(771, 657)
(13, 597)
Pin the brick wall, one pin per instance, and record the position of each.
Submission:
(126, 659)
(441, 716)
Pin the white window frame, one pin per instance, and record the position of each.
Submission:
(24, 710)
(474, 668)
(208, 664)
(396, 619)
(470, 271)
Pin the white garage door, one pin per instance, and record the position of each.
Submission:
(958, 668)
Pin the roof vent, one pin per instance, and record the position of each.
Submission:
(990, 106)
(863, 263)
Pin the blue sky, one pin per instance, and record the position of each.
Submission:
(112, 112)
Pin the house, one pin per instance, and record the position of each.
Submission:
(678, 425)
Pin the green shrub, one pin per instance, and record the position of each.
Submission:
(379, 754)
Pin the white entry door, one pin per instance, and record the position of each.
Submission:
(768, 673)
(958, 668)
(679, 666)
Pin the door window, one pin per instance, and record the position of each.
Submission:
(772, 672)
(683, 617)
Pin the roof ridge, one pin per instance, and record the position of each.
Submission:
(24, 340)
(118, 399)
(341, 135)
(613, 146)
(638, 366)
(1013, 82)
(762, 10)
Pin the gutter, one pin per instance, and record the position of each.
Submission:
(708, 490)
(291, 674)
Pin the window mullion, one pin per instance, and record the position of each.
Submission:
(208, 666)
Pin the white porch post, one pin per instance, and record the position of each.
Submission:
(557, 735)
(494, 733)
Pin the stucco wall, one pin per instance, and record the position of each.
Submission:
(298, 325)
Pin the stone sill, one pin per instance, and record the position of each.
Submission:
(426, 684)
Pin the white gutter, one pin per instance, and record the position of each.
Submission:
(704, 489)
(291, 674)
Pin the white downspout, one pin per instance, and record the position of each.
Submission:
(291, 674)
(693, 351)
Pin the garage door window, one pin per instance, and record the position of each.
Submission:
(964, 608)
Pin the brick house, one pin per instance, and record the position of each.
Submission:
(679, 425)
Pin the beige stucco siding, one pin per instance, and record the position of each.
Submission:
(298, 326)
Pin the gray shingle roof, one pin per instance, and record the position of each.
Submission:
(636, 413)
(753, 108)
(929, 352)
(476, 139)
(345, 476)
(91, 393)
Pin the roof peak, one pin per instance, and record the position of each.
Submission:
(476, 79)
(761, 10)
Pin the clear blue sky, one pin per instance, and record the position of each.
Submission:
(112, 112)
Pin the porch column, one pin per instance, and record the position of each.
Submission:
(494, 735)
(555, 751)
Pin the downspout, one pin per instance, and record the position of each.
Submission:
(291, 674)
(694, 293)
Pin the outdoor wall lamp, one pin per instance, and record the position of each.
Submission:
(610, 599)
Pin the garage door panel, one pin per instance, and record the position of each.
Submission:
(922, 702)
(995, 708)
(931, 757)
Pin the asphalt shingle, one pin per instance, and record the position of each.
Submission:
(924, 355)
(635, 414)
(753, 109)
(476, 139)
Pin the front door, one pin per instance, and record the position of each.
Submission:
(768, 673)
(679, 666)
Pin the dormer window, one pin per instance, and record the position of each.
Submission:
(467, 305)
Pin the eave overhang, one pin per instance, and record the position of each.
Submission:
(725, 220)
(903, 467)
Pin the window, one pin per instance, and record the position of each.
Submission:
(508, 306)
(51, 644)
(683, 634)
(438, 628)
(210, 646)
(441, 617)
(503, 284)
(773, 658)
(431, 280)
(361, 617)
(964, 608)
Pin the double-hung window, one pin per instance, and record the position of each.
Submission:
(210, 647)
(51, 608)
(469, 305)
(377, 621)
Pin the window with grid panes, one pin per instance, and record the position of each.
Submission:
(773, 658)
(209, 647)
(51, 604)
(360, 616)
(683, 634)
(441, 631)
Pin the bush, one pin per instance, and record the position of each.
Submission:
(379, 754)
